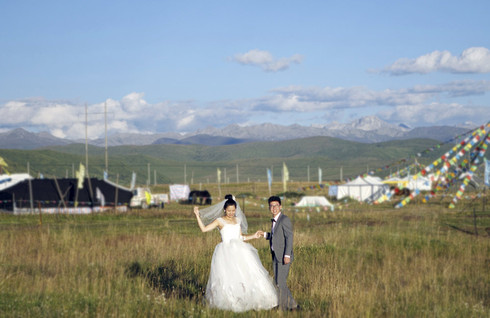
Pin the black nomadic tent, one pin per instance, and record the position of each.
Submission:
(62, 195)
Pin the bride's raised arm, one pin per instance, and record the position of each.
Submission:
(207, 228)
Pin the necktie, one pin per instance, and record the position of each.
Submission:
(272, 226)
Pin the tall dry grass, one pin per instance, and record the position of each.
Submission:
(364, 261)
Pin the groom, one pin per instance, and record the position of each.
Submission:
(281, 244)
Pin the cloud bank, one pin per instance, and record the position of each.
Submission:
(266, 61)
(472, 60)
(418, 106)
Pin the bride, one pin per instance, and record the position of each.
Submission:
(237, 280)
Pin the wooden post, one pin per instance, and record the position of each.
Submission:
(62, 197)
(115, 197)
(91, 192)
(30, 188)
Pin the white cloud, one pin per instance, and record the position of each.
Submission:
(296, 98)
(472, 60)
(133, 103)
(57, 132)
(185, 122)
(431, 104)
(435, 114)
(76, 131)
(266, 61)
(54, 113)
(14, 112)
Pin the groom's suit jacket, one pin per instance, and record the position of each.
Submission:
(282, 239)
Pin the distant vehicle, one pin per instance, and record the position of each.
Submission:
(144, 199)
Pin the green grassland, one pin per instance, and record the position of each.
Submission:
(198, 164)
(359, 260)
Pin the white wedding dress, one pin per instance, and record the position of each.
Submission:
(237, 280)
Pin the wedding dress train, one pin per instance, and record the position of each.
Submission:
(237, 280)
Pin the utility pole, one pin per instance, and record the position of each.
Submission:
(86, 139)
(185, 173)
(149, 180)
(106, 154)
(30, 188)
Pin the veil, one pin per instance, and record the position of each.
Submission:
(213, 212)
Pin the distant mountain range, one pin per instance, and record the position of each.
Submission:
(366, 130)
(22, 139)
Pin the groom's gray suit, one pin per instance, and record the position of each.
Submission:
(281, 243)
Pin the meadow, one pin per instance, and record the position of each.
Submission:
(359, 260)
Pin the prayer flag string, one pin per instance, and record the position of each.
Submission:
(471, 141)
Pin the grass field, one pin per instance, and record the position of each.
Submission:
(359, 261)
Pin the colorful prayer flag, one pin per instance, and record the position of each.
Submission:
(80, 175)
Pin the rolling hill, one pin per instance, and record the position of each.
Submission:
(173, 163)
(367, 130)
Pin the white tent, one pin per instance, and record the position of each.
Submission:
(179, 192)
(366, 189)
(420, 183)
(311, 201)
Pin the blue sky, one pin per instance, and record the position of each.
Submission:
(180, 66)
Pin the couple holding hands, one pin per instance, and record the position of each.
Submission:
(237, 280)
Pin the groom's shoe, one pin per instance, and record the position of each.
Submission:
(297, 308)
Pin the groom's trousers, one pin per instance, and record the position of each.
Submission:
(285, 298)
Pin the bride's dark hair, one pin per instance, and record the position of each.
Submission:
(228, 203)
